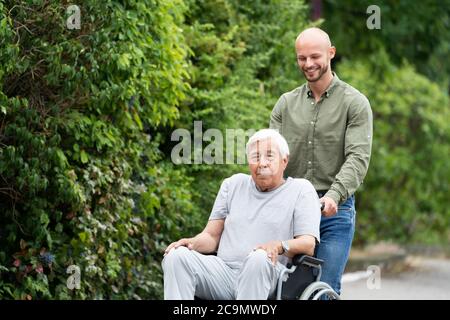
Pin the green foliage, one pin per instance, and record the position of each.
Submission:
(76, 106)
(415, 31)
(242, 59)
(404, 196)
(86, 117)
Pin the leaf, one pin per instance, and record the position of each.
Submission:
(138, 120)
(84, 157)
(62, 157)
(44, 218)
(124, 61)
(83, 236)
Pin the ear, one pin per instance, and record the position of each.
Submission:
(332, 52)
(285, 161)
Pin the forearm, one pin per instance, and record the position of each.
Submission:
(204, 243)
(301, 245)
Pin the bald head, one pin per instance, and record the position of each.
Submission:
(314, 53)
(313, 36)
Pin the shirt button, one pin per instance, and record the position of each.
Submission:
(312, 102)
(312, 122)
(309, 162)
(309, 142)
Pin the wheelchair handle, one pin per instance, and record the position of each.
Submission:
(322, 206)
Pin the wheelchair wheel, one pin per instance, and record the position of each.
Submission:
(318, 289)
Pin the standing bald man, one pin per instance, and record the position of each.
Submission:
(328, 126)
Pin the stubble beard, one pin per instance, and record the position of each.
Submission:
(322, 71)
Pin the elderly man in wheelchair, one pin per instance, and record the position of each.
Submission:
(260, 238)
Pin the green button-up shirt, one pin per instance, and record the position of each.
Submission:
(329, 141)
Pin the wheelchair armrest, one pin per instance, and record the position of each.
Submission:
(306, 260)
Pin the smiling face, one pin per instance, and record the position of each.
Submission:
(314, 54)
(266, 164)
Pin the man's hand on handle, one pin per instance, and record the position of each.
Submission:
(329, 206)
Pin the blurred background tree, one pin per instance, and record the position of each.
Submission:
(86, 175)
(414, 31)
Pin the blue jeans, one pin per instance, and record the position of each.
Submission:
(336, 236)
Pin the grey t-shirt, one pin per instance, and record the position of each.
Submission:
(253, 217)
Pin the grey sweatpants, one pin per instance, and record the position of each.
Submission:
(188, 273)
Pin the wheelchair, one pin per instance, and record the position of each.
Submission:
(303, 281)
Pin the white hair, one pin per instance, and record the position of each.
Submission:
(265, 134)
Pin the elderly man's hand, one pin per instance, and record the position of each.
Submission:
(186, 242)
(330, 207)
(273, 249)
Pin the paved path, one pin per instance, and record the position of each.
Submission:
(427, 279)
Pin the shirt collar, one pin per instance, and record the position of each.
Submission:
(329, 90)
